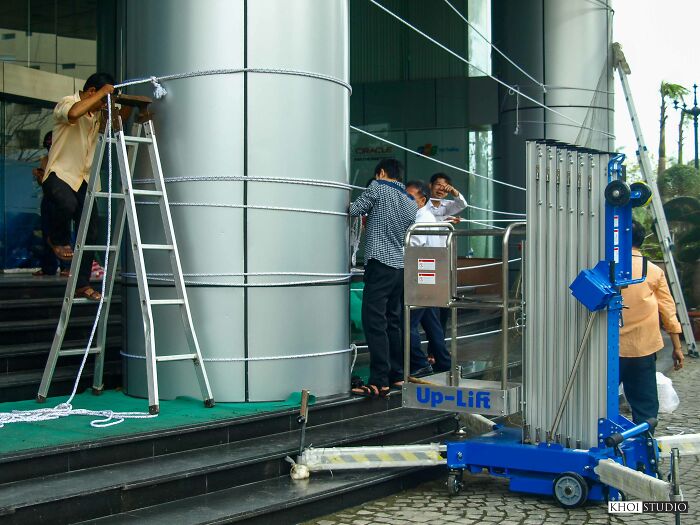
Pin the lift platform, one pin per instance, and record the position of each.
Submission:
(623, 458)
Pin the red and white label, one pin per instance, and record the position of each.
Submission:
(426, 278)
(616, 221)
(426, 264)
(616, 236)
(616, 254)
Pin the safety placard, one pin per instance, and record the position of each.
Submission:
(426, 264)
(426, 277)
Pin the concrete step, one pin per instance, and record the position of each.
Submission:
(18, 386)
(123, 488)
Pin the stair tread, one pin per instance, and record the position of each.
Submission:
(23, 349)
(136, 474)
(61, 373)
(13, 326)
(254, 499)
(8, 304)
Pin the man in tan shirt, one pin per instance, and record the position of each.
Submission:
(640, 336)
(76, 125)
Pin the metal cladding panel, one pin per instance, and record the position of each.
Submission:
(565, 232)
(297, 128)
(199, 128)
(284, 126)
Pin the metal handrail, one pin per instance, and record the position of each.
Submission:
(444, 228)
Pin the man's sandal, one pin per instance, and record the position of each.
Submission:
(65, 252)
(366, 391)
(87, 292)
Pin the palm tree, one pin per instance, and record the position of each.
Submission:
(671, 91)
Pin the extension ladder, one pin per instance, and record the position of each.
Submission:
(660, 224)
(127, 211)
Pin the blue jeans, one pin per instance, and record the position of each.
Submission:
(429, 319)
(638, 378)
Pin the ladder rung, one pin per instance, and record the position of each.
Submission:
(79, 351)
(157, 246)
(167, 301)
(105, 195)
(132, 140)
(85, 300)
(181, 357)
(98, 247)
(153, 193)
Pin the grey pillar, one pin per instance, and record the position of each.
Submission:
(566, 45)
(250, 124)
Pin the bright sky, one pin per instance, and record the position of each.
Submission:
(660, 43)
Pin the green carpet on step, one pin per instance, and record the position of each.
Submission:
(179, 412)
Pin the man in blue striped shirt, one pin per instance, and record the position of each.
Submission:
(390, 211)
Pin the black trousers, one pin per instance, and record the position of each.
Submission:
(49, 262)
(381, 320)
(638, 378)
(67, 207)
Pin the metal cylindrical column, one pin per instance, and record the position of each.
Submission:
(256, 125)
(565, 45)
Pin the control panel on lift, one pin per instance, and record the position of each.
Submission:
(429, 279)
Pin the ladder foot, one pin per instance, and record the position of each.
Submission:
(40, 398)
(209, 402)
(97, 391)
(153, 410)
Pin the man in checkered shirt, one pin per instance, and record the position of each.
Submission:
(390, 211)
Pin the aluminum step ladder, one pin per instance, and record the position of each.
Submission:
(127, 211)
(660, 224)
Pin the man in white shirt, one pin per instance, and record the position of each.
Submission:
(442, 208)
(428, 318)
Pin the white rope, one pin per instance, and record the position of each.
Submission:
(496, 211)
(461, 337)
(487, 265)
(504, 84)
(160, 91)
(493, 46)
(248, 206)
(132, 275)
(223, 284)
(492, 226)
(352, 348)
(65, 409)
(355, 236)
(516, 131)
(432, 159)
(491, 220)
(247, 178)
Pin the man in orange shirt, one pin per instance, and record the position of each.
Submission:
(640, 336)
(76, 125)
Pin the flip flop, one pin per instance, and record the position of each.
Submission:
(65, 252)
(366, 391)
(87, 292)
(65, 273)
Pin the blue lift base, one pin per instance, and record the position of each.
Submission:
(550, 469)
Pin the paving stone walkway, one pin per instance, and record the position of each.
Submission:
(487, 500)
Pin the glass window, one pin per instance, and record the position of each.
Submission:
(24, 126)
(57, 36)
(479, 48)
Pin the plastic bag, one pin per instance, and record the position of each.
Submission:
(668, 398)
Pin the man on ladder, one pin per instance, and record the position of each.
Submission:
(84, 199)
(67, 173)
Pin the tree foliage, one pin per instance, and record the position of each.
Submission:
(679, 180)
(667, 91)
